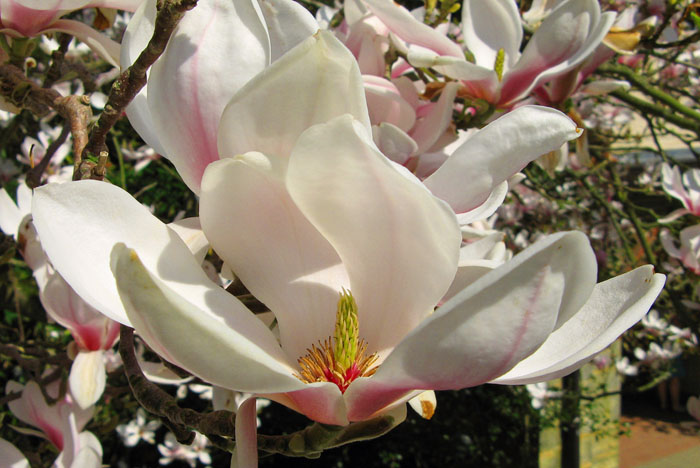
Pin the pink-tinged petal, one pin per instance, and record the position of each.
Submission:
(245, 454)
(489, 27)
(432, 126)
(223, 344)
(288, 24)
(99, 43)
(402, 23)
(32, 409)
(669, 244)
(672, 183)
(138, 33)
(485, 330)
(565, 39)
(297, 91)
(402, 253)
(385, 103)
(321, 401)
(11, 457)
(79, 223)
(87, 378)
(217, 48)
(498, 151)
(259, 232)
(191, 233)
(91, 329)
(393, 142)
(603, 87)
(614, 306)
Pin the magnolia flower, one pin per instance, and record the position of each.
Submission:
(685, 188)
(624, 367)
(94, 334)
(501, 74)
(348, 250)
(689, 251)
(540, 393)
(29, 18)
(60, 423)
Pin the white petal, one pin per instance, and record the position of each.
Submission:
(88, 377)
(246, 452)
(79, 223)
(192, 235)
(256, 228)
(224, 345)
(498, 151)
(297, 91)
(401, 253)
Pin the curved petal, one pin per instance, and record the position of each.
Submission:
(79, 223)
(486, 209)
(11, 457)
(225, 345)
(87, 378)
(99, 43)
(614, 306)
(217, 48)
(10, 215)
(498, 151)
(256, 228)
(402, 253)
(288, 24)
(136, 37)
(489, 27)
(485, 330)
(297, 91)
(320, 401)
(401, 22)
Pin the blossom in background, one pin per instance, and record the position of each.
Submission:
(138, 429)
(172, 450)
(30, 18)
(540, 393)
(689, 250)
(61, 423)
(685, 188)
(624, 367)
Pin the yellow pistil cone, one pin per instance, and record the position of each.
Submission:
(500, 63)
(347, 330)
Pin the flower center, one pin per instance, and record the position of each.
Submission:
(340, 359)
